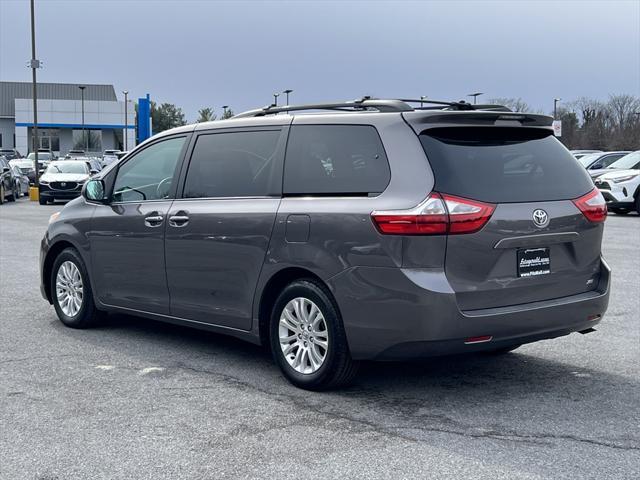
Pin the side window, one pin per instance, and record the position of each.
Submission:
(233, 164)
(335, 159)
(148, 175)
(609, 159)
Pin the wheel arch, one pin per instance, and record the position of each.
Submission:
(53, 252)
(270, 292)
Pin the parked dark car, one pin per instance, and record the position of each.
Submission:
(10, 153)
(380, 232)
(8, 189)
(22, 180)
(63, 180)
(26, 167)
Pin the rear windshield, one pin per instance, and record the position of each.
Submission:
(503, 164)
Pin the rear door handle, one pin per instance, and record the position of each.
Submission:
(178, 220)
(153, 220)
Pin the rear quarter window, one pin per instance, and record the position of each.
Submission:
(503, 164)
(335, 160)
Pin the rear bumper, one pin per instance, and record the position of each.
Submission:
(392, 313)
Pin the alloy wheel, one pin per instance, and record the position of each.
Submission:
(69, 289)
(303, 334)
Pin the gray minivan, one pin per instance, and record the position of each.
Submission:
(358, 230)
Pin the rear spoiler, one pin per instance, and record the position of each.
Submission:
(420, 121)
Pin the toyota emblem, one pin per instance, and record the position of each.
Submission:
(540, 218)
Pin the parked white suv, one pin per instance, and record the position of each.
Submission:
(621, 189)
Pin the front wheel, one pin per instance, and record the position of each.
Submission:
(308, 339)
(638, 204)
(71, 291)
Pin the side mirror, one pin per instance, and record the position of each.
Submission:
(5, 169)
(93, 172)
(597, 166)
(94, 191)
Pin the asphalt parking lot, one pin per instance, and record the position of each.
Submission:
(137, 399)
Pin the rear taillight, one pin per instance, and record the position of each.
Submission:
(437, 215)
(467, 216)
(593, 206)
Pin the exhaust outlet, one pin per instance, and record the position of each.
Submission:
(588, 330)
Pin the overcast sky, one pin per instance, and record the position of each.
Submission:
(209, 53)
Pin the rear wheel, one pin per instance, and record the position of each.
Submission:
(71, 291)
(308, 339)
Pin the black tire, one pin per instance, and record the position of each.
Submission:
(88, 315)
(620, 211)
(638, 204)
(13, 197)
(338, 368)
(42, 201)
(1, 193)
(501, 351)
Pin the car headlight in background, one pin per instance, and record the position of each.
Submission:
(626, 178)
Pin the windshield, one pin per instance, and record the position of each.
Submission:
(628, 161)
(67, 167)
(41, 156)
(503, 164)
(589, 158)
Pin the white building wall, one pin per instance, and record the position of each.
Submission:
(69, 112)
(22, 140)
(67, 115)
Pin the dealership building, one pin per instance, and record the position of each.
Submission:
(61, 126)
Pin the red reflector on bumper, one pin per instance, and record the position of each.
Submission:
(482, 339)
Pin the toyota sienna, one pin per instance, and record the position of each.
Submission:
(369, 229)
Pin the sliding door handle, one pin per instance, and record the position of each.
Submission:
(178, 220)
(153, 220)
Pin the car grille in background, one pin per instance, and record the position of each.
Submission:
(63, 185)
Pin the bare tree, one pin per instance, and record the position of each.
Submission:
(515, 104)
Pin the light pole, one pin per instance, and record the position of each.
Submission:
(126, 120)
(422, 99)
(34, 64)
(84, 137)
(555, 107)
(224, 111)
(275, 99)
(475, 96)
(287, 92)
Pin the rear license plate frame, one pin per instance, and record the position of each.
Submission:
(533, 262)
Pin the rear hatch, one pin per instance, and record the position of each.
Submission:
(538, 243)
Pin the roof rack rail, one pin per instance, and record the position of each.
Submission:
(368, 103)
(363, 103)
